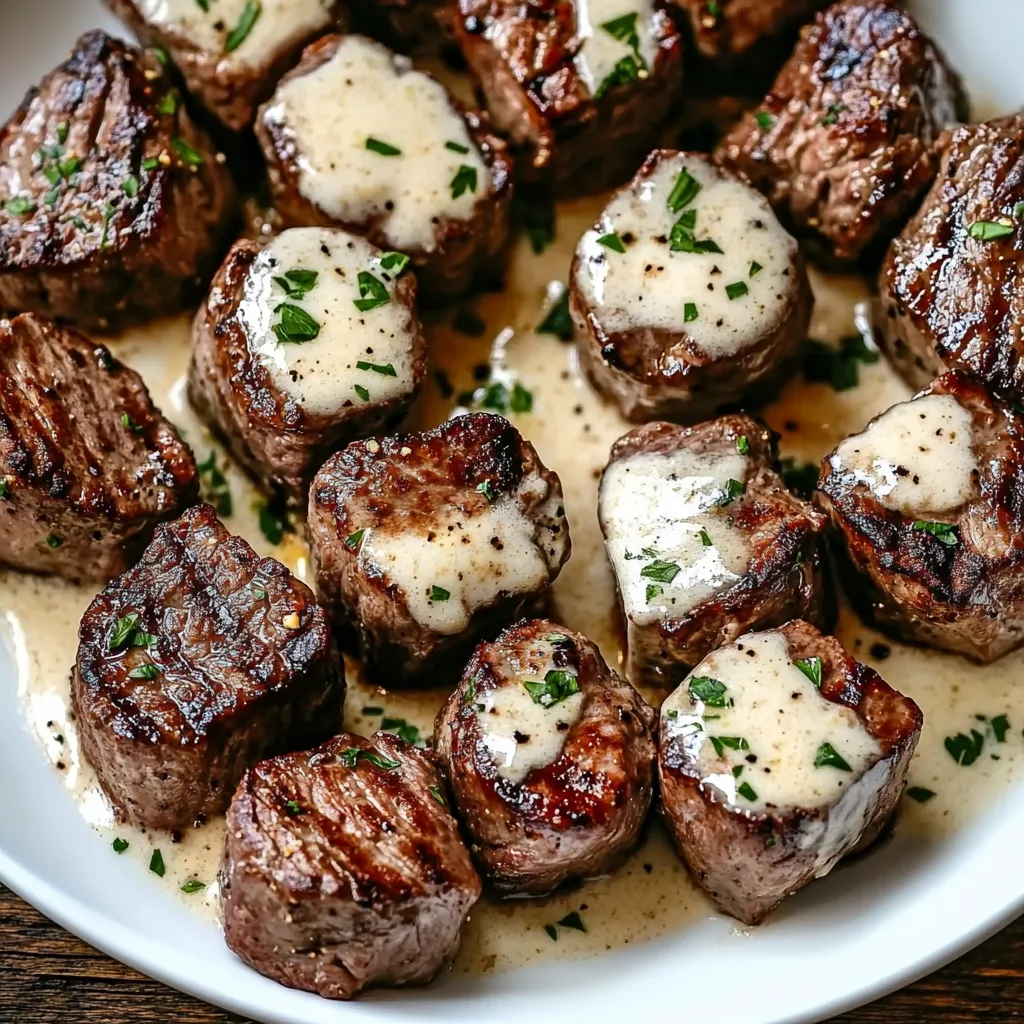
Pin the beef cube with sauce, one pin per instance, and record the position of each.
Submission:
(230, 52)
(583, 90)
(193, 666)
(950, 287)
(343, 868)
(927, 502)
(705, 542)
(550, 758)
(844, 144)
(114, 207)
(687, 294)
(425, 543)
(88, 465)
(777, 757)
(356, 137)
(289, 363)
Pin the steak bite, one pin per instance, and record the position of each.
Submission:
(230, 52)
(113, 205)
(425, 543)
(927, 499)
(289, 363)
(550, 758)
(687, 293)
(777, 757)
(88, 465)
(951, 293)
(356, 137)
(195, 664)
(343, 868)
(705, 542)
(843, 145)
(583, 102)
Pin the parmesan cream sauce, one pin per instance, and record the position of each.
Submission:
(573, 431)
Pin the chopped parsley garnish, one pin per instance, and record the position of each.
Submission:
(464, 181)
(108, 212)
(987, 230)
(382, 148)
(273, 519)
(120, 845)
(239, 34)
(19, 205)
(660, 571)
(743, 444)
(612, 242)
(552, 932)
(710, 692)
(296, 326)
(353, 539)
(764, 120)
(558, 685)
(130, 186)
(682, 239)
(69, 166)
(828, 757)
(574, 920)
(499, 397)
(484, 488)
(5, 491)
(834, 110)
(61, 131)
(653, 591)
(536, 213)
(1000, 727)
(689, 312)
(156, 864)
(435, 792)
(146, 671)
(296, 283)
(626, 70)
(53, 541)
(150, 164)
(456, 147)
(755, 268)
(800, 478)
(215, 487)
(372, 292)
(168, 103)
(361, 392)
(705, 537)
(811, 667)
(394, 262)
(353, 755)
(732, 490)
(713, 8)
(965, 750)
(745, 790)
(944, 532)
(123, 630)
(129, 424)
(193, 885)
(840, 368)
(558, 320)
(293, 807)
(439, 593)
(186, 154)
(736, 290)
(722, 743)
(404, 730)
(259, 594)
(629, 67)
(684, 191)
(384, 369)
(920, 794)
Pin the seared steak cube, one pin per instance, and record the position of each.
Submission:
(230, 52)
(289, 364)
(356, 137)
(113, 205)
(425, 543)
(777, 757)
(687, 293)
(88, 465)
(950, 286)
(582, 90)
(705, 542)
(343, 868)
(195, 664)
(926, 499)
(550, 757)
(843, 145)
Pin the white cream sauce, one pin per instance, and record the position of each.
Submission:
(723, 302)
(359, 358)
(775, 723)
(281, 24)
(606, 38)
(917, 458)
(668, 515)
(365, 98)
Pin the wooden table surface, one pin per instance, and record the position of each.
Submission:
(49, 977)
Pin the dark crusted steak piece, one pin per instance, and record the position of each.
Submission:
(687, 294)
(195, 664)
(705, 542)
(88, 465)
(844, 144)
(424, 544)
(950, 287)
(229, 60)
(550, 758)
(777, 757)
(114, 207)
(356, 137)
(929, 500)
(584, 103)
(343, 868)
(287, 368)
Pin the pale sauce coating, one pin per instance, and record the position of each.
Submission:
(724, 302)
(916, 458)
(770, 710)
(607, 38)
(340, 116)
(358, 358)
(670, 539)
(280, 25)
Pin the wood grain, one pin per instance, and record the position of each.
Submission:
(49, 977)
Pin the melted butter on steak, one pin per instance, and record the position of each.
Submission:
(723, 302)
(761, 732)
(358, 357)
(609, 30)
(365, 99)
(918, 457)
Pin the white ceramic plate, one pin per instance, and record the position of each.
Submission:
(864, 931)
